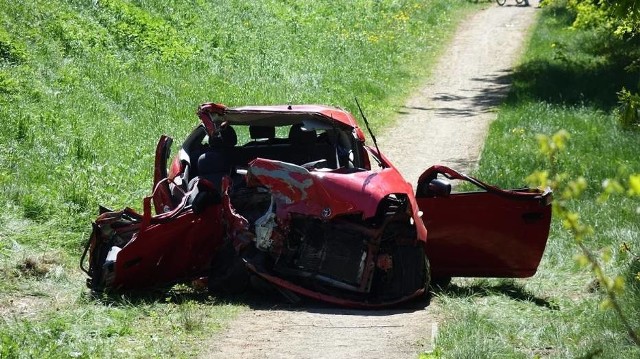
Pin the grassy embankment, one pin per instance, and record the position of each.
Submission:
(566, 81)
(86, 89)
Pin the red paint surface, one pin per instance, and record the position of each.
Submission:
(168, 252)
(298, 190)
(495, 233)
(161, 192)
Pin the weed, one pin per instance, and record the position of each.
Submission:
(8, 85)
(34, 207)
(190, 318)
(37, 267)
(629, 110)
(10, 51)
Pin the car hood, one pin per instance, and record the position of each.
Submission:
(327, 193)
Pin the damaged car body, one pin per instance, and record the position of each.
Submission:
(299, 206)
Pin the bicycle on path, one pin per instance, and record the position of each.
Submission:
(519, 2)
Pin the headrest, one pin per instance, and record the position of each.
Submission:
(298, 136)
(212, 162)
(227, 138)
(257, 132)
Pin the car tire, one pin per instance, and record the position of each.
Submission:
(228, 273)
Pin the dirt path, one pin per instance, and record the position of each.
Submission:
(445, 122)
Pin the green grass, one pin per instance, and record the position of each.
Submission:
(87, 88)
(86, 328)
(566, 81)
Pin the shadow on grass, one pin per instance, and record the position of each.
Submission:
(507, 288)
(572, 83)
(257, 299)
(562, 80)
(586, 69)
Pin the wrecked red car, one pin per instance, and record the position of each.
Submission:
(292, 196)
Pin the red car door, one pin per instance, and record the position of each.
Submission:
(487, 233)
(162, 200)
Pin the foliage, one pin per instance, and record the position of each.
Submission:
(589, 13)
(567, 190)
(625, 14)
(621, 17)
(619, 21)
(10, 51)
(629, 111)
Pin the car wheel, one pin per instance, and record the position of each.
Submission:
(410, 272)
(228, 273)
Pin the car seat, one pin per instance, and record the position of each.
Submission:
(302, 144)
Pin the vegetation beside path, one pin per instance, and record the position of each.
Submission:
(87, 88)
(568, 81)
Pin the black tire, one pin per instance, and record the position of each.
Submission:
(411, 272)
(519, 2)
(501, 2)
(228, 274)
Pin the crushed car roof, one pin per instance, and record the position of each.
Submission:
(277, 114)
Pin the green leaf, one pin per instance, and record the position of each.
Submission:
(606, 304)
(634, 185)
(582, 260)
(606, 254)
(618, 285)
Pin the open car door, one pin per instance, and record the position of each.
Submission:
(161, 193)
(487, 233)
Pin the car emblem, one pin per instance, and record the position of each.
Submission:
(326, 213)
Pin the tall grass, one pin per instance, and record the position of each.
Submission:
(562, 83)
(90, 86)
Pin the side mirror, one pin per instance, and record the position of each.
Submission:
(439, 188)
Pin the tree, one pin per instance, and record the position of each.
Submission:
(619, 20)
(620, 17)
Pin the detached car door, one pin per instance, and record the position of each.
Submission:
(485, 233)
